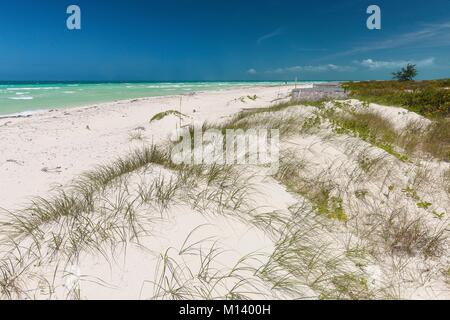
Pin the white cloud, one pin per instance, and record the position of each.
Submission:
(367, 63)
(272, 34)
(373, 64)
(431, 35)
(316, 68)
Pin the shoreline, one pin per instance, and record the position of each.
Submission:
(244, 208)
(53, 146)
(31, 113)
(43, 109)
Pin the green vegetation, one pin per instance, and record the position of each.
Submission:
(433, 139)
(317, 192)
(439, 215)
(164, 114)
(424, 204)
(331, 207)
(136, 135)
(211, 281)
(259, 118)
(407, 235)
(303, 257)
(369, 164)
(310, 123)
(274, 108)
(101, 210)
(415, 139)
(370, 127)
(410, 193)
(446, 180)
(114, 204)
(436, 139)
(361, 194)
(428, 98)
(249, 97)
(407, 73)
(447, 275)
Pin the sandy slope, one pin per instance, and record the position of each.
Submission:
(68, 142)
(197, 247)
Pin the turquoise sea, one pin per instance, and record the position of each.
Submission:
(16, 98)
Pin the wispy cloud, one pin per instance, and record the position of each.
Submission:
(275, 33)
(315, 68)
(374, 64)
(357, 65)
(428, 35)
(310, 49)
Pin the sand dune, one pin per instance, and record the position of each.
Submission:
(346, 216)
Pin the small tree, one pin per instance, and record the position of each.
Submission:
(406, 74)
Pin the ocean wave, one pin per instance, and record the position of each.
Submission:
(21, 98)
(33, 88)
(157, 86)
(166, 86)
(22, 114)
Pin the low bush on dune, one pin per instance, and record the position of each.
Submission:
(162, 115)
(428, 98)
(437, 139)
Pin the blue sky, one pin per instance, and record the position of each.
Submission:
(222, 40)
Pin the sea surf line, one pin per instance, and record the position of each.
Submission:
(16, 97)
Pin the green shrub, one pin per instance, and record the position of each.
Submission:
(407, 73)
(162, 115)
(429, 98)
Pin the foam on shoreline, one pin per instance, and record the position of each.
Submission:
(16, 98)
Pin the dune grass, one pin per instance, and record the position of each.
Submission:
(368, 126)
(428, 98)
(10, 279)
(101, 211)
(432, 140)
(304, 259)
(436, 140)
(178, 277)
(136, 136)
(162, 115)
(403, 234)
(108, 207)
(370, 164)
(319, 193)
(446, 180)
(416, 140)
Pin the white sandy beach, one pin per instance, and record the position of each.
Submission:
(49, 149)
(61, 142)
